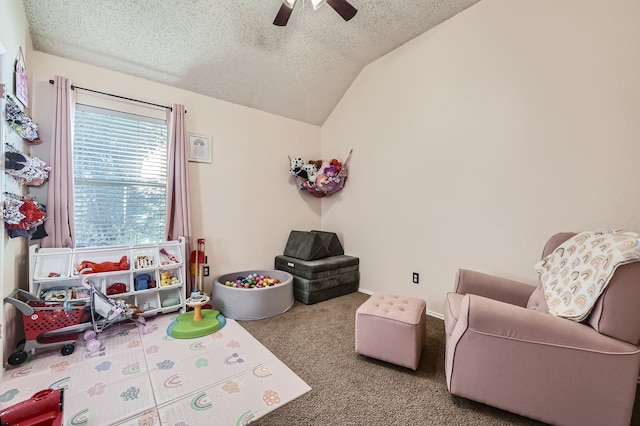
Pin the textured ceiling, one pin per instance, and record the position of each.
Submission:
(230, 50)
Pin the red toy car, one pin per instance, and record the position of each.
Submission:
(44, 408)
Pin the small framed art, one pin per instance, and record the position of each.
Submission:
(200, 148)
(22, 87)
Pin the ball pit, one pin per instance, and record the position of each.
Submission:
(247, 296)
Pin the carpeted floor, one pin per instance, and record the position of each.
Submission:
(317, 343)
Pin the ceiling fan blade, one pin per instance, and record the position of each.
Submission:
(283, 15)
(344, 8)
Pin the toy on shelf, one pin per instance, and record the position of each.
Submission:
(62, 294)
(169, 256)
(89, 267)
(56, 294)
(143, 282)
(144, 262)
(167, 279)
(116, 288)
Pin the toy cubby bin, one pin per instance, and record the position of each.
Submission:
(129, 300)
(154, 277)
(64, 263)
(172, 249)
(54, 261)
(144, 258)
(173, 270)
(41, 287)
(98, 255)
(116, 278)
(149, 302)
(171, 293)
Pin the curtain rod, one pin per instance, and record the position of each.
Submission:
(118, 96)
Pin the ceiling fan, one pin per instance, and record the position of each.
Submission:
(343, 7)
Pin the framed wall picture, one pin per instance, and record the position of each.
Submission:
(22, 86)
(200, 148)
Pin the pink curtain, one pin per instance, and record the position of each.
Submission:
(178, 197)
(60, 224)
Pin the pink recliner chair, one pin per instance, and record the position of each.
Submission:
(504, 349)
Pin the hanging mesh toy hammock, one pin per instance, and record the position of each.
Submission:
(321, 181)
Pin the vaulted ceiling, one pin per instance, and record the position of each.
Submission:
(230, 49)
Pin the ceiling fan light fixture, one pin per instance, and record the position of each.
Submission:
(342, 7)
(317, 3)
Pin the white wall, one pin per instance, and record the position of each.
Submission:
(244, 204)
(479, 139)
(472, 144)
(14, 34)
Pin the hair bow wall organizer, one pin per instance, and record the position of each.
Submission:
(20, 122)
(21, 215)
(25, 169)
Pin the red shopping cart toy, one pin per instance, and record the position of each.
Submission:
(46, 324)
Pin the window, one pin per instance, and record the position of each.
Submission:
(120, 177)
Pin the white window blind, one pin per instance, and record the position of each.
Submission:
(120, 177)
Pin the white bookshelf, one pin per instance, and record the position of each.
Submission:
(53, 270)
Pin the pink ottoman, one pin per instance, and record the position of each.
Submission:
(392, 329)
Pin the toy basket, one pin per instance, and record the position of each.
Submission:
(49, 316)
(46, 324)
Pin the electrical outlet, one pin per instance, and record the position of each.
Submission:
(416, 278)
(205, 270)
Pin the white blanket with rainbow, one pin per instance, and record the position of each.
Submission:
(576, 273)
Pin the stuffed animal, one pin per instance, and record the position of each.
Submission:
(317, 163)
(335, 163)
(89, 267)
(296, 165)
(311, 171)
(165, 279)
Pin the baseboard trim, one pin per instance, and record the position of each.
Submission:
(435, 315)
(430, 313)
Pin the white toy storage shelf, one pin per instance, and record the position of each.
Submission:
(53, 274)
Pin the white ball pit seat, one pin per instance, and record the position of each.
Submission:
(253, 303)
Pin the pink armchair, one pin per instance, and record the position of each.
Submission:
(504, 349)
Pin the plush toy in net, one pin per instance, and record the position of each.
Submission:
(320, 178)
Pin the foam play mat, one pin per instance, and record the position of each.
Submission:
(224, 378)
